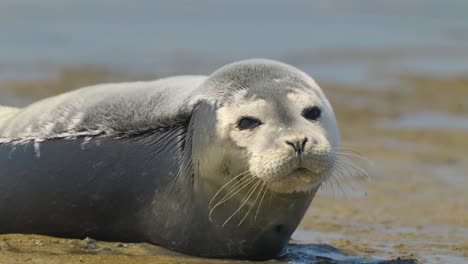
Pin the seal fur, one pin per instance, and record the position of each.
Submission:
(147, 161)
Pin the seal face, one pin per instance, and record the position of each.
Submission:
(287, 137)
(217, 166)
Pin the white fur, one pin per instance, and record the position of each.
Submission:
(269, 157)
(7, 112)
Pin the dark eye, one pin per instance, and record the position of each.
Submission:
(312, 113)
(248, 123)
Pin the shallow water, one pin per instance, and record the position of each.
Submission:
(333, 40)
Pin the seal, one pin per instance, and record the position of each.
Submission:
(222, 166)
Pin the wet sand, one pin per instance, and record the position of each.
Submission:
(413, 207)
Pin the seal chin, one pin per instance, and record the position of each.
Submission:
(298, 180)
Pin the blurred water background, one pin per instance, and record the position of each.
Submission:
(347, 41)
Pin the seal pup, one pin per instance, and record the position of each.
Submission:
(222, 166)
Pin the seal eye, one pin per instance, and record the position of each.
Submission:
(248, 123)
(312, 113)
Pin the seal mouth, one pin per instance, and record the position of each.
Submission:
(297, 173)
(298, 180)
(302, 174)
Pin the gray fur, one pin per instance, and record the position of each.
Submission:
(122, 108)
(126, 108)
(140, 162)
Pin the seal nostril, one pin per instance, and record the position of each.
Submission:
(298, 145)
(304, 143)
(292, 145)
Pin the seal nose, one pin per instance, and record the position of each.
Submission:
(298, 145)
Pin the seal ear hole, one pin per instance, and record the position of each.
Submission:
(279, 228)
(248, 122)
(312, 113)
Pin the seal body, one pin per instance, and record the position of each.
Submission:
(224, 165)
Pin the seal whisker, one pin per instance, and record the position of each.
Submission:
(224, 186)
(342, 176)
(360, 171)
(328, 180)
(253, 205)
(337, 179)
(340, 169)
(344, 148)
(261, 200)
(346, 169)
(339, 175)
(248, 195)
(326, 184)
(236, 188)
(347, 181)
(350, 153)
(271, 198)
(339, 186)
(231, 194)
(332, 184)
(371, 163)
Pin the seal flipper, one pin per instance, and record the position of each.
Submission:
(177, 197)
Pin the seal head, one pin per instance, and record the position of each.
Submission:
(275, 122)
(271, 134)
